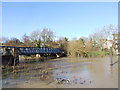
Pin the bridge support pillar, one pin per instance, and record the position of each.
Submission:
(15, 54)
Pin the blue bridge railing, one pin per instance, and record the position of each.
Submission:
(30, 50)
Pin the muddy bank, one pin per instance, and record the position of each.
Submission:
(64, 73)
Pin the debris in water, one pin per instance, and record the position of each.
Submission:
(62, 80)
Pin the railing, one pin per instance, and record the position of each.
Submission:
(29, 50)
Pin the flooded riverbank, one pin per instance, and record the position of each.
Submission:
(64, 73)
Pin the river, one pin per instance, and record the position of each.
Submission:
(64, 73)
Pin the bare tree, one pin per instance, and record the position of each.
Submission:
(102, 35)
(109, 30)
(13, 42)
(3, 40)
(26, 40)
(36, 38)
(35, 35)
(47, 36)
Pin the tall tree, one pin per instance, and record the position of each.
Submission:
(47, 36)
(26, 40)
(36, 38)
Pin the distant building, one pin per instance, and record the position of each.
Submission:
(116, 44)
(107, 44)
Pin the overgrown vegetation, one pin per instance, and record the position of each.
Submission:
(96, 44)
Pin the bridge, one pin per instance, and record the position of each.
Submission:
(29, 50)
(12, 53)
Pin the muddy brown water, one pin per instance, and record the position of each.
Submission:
(64, 73)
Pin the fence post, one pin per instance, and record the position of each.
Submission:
(111, 56)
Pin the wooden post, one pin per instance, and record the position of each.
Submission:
(111, 56)
(15, 53)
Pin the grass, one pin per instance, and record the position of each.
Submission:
(97, 53)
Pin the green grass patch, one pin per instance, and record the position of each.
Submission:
(97, 53)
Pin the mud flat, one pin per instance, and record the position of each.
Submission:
(65, 73)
